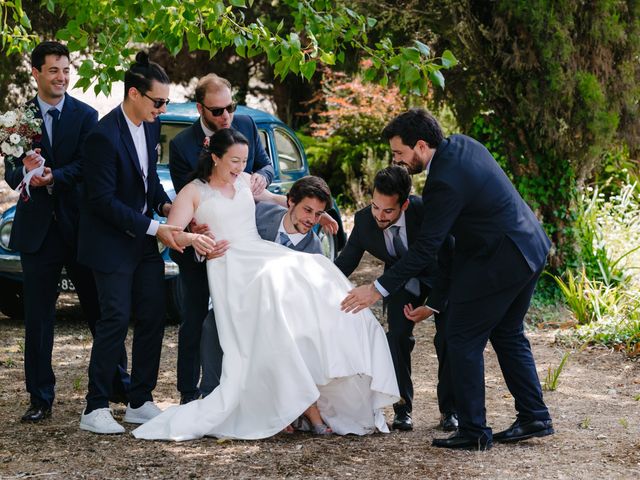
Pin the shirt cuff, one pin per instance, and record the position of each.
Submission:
(380, 288)
(153, 228)
(431, 308)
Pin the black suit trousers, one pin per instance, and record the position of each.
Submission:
(401, 343)
(194, 302)
(41, 273)
(498, 317)
(124, 293)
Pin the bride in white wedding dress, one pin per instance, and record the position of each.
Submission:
(287, 345)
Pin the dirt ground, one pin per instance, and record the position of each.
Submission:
(596, 413)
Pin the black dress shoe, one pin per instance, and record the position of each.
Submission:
(36, 413)
(523, 430)
(457, 440)
(402, 421)
(184, 399)
(449, 422)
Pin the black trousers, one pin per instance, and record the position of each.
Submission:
(401, 344)
(41, 273)
(194, 301)
(499, 318)
(138, 291)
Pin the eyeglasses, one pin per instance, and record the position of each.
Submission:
(216, 112)
(157, 102)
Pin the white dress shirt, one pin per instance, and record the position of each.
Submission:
(140, 144)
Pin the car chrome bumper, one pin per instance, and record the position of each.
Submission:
(10, 264)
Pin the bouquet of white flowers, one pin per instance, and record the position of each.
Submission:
(19, 128)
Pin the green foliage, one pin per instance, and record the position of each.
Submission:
(605, 295)
(324, 31)
(550, 383)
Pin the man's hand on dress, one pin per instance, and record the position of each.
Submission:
(195, 227)
(360, 298)
(166, 234)
(258, 183)
(417, 314)
(328, 224)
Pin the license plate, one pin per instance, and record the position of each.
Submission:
(66, 285)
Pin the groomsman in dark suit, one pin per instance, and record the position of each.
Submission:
(46, 223)
(307, 200)
(501, 250)
(216, 107)
(118, 240)
(385, 229)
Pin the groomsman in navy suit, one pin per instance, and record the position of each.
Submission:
(216, 107)
(46, 223)
(501, 250)
(118, 240)
(385, 229)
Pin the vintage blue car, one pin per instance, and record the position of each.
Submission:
(281, 144)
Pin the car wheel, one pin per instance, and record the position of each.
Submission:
(11, 303)
(328, 243)
(174, 296)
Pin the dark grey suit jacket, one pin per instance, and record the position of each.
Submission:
(268, 218)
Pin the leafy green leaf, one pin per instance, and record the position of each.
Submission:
(448, 59)
(308, 69)
(437, 78)
(424, 49)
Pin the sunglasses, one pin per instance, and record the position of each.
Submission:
(216, 112)
(157, 102)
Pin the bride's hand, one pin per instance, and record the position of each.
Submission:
(220, 249)
(195, 227)
(203, 244)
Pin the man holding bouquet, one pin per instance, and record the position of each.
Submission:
(46, 221)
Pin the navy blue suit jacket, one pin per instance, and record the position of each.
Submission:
(498, 240)
(185, 149)
(112, 225)
(64, 157)
(366, 236)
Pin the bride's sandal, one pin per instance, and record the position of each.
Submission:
(322, 429)
(301, 424)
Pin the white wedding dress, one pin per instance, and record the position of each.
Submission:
(286, 342)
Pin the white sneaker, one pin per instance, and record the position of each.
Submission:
(141, 414)
(100, 421)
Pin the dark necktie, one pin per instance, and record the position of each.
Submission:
(283, 239)
(413, 284)
(55, 116)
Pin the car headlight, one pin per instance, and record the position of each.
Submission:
(5, 234)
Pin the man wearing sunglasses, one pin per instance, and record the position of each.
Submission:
(216, 107)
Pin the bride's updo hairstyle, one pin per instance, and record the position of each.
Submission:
(218, 144)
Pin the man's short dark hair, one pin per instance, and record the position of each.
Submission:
(413, 125)
(39, 54)
(310, 186)
(393, 180)
(142, 73)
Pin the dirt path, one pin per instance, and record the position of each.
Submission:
(596, 412)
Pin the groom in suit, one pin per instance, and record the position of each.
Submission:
(46, 223)
(118, 240)
(395, 216)
(216, 108)
(292, 227)
(501, 250)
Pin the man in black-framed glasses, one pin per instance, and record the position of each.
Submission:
(217, 110)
